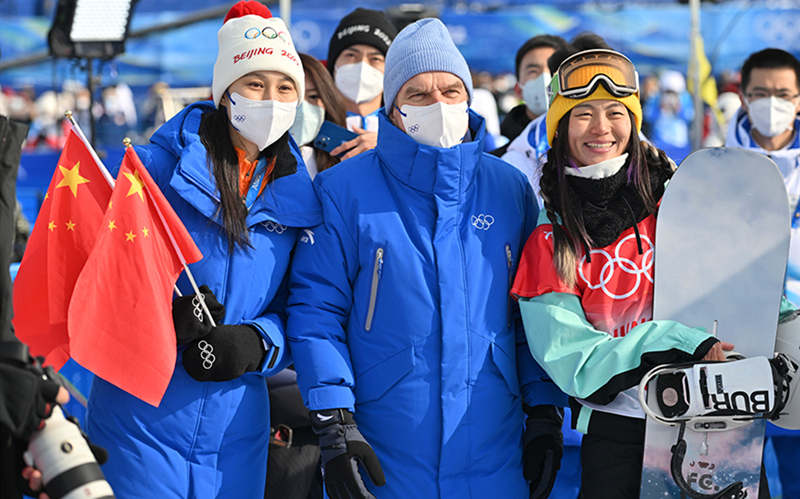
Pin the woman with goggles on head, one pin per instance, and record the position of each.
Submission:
(585, 279)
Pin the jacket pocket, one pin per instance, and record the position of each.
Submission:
(375, 279)
(377, 380)
(507, 367)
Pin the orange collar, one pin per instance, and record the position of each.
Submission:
(247, 170)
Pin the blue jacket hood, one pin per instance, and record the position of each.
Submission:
(427, 168)
(289, 200)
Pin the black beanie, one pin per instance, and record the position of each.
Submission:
(370, 27)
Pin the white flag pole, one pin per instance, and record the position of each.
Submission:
(178, 251)
(96, 158)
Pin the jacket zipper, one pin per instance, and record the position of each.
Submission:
(377, 268)
(510, 262)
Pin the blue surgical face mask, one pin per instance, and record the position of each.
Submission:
(307, 123)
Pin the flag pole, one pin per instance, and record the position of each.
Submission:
(88, 144)
(200, 297)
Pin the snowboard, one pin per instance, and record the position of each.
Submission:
(722, 242)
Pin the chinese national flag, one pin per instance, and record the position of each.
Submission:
(60, 243)
(120, 321)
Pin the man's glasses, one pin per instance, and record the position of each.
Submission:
(760, 94)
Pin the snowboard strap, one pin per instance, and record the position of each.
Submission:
(732, 491)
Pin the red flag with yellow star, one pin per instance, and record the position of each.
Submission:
(120, 320)
(62, 238)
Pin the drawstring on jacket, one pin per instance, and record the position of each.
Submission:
(635, 225)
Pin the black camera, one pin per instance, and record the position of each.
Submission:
(57, 448)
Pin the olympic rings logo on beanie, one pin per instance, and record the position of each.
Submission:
(269, 32)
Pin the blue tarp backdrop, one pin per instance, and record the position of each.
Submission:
(653, 34)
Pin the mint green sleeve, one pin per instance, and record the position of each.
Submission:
(591, 364)
(787, 309)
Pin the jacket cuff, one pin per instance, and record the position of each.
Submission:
(331, 397)
(271, 328)
(544, 393)
(704, 348)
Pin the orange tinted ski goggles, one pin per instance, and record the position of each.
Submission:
(579, 75)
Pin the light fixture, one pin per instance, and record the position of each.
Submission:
(93, 29)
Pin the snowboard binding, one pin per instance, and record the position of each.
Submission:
(713, 397)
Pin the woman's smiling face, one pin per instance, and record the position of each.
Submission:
(599, 130)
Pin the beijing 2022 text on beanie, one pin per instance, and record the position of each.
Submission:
(250, 39)
(421, 47)
(362, 26)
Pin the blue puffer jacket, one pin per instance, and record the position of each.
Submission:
(400, 310)
(209, 439)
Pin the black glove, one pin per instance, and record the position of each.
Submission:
(224, 354)
(343, 447)
(543, 448)
(190, 320)
(28, 391)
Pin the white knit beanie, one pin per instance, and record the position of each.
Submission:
(250, 39)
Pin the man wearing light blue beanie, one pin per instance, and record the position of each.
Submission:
(422, 47)
(409, 350)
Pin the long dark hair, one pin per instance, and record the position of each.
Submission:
(570, 237)
(223, 163)
(335, 111)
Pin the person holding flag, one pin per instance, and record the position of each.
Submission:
(237, 181)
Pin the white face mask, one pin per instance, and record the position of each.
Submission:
(307, 123)
(437, 125)
(262, 122)
(359, 82)
(772, 116)
(534, 93)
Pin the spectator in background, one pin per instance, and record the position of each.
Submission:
(484, 103)
(152, 109)
(119, 118)
(322, 103)
(768, 123)
(669, 113)
(356, 55)
(528, 148)
(533, 77)
(45, 130)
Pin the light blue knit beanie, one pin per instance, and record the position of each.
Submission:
(422, 47)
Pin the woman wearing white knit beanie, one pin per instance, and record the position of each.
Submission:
(237, 180)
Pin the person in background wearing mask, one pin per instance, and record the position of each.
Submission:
(408, 348)
(356, 56)
(768, 123)
(322, 103)
(533, 77)
(236, 179)
(527, 151)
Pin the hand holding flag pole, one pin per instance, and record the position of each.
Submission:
(200, 298)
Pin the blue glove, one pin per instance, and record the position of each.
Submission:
(543, 448)
(343, 448)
